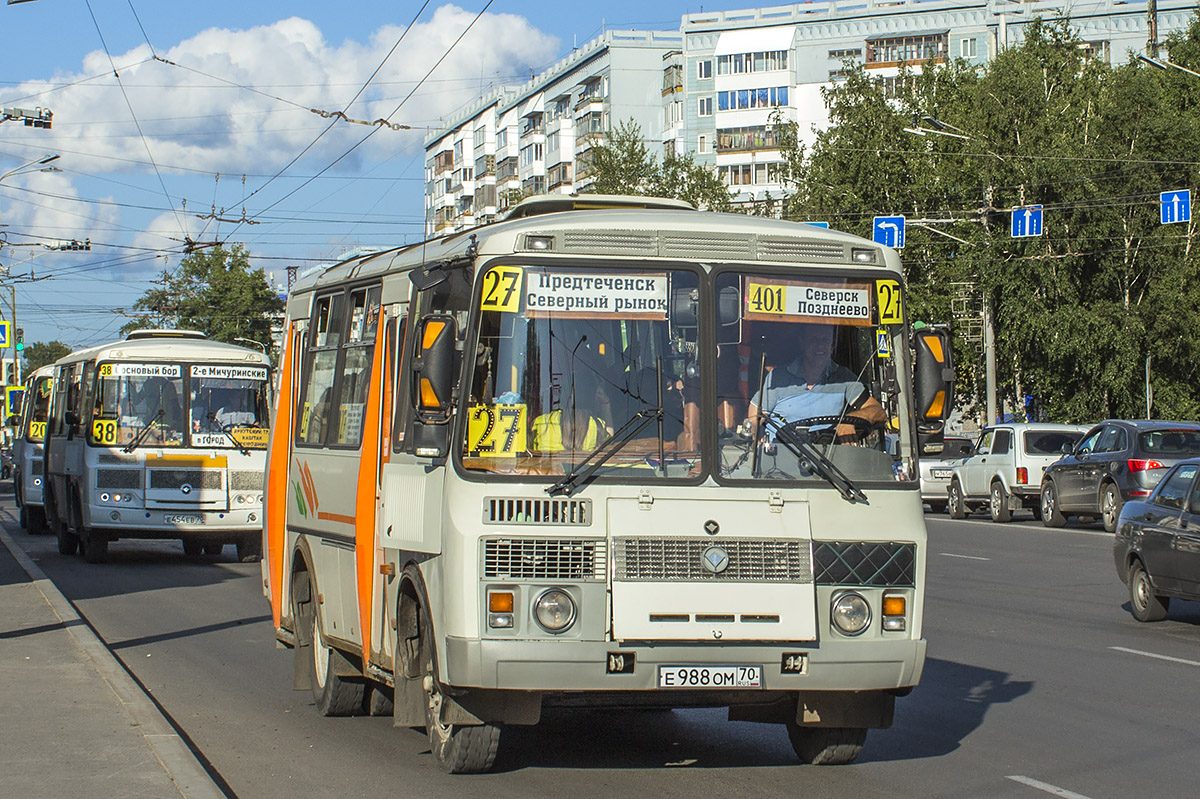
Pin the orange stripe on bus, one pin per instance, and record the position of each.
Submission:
(340, 518)
(368, 476)
(277, 479)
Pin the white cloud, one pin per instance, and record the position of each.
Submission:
(199, 123)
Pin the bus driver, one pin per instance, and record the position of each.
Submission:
(813, 385)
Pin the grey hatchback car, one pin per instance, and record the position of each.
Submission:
(1116, 461)
(1157, 546)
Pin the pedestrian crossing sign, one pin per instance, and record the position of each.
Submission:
(883, 344)
(5, 340)
(13, 396)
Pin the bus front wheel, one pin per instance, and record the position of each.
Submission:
(826, 746)
(94, 546)
(457, 748)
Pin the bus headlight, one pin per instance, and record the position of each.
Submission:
(851, 613)
(554, 610)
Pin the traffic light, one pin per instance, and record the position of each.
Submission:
(20, 339)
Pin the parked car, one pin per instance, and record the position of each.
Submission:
(1116, 461)
(1005, 472)
(1157, 546)
(935, 471)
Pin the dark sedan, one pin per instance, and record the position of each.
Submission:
(1115, 462)
(1157, 547)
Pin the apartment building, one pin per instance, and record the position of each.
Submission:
(722, 77)
(537, 138)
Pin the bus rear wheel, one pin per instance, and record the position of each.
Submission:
(826, 746)
(249, 548)
(457, 749)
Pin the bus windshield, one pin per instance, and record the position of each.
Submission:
(229, 406)
(568, 357)
(39, 410)
(804, 355)
(141, 401)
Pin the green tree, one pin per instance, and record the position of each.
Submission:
(215, 291)
(40, 353)
(624, 165)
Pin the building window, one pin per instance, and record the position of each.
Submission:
(702, 145)
(901, 49)
(704, 69)
(967, 48)
(458, 152)
(552, 141)
(841, 55)
(559, 174)
(752, 98)
(480, 138)
(1096, 50)
(742, 63)
(838, 75)
(672, 79)
(705, 109)
(501, 138)
(531, 154)
(732, 140)
(532, 124)
(534, 185)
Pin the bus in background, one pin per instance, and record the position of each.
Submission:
(162, 435)
(29, 442)
(540, 463)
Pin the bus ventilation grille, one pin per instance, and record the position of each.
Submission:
(682, 560)
(789, 249)
(119, 478)
(616, 242)
(245, 480)
(196, 478)
(502, 510)
(544, 559)
(865, 563)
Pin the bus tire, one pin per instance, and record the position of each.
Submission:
(456, 748)
(826, 746)
(333, 695)
(23, 518)
(213, 549)
(94, 546)
(68, 542)
(249, 548)
(193, 548)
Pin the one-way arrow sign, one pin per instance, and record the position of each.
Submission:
(1026, 221)
(889, 231)
(1175, 206)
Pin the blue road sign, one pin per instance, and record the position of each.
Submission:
(888, 231)
(1175, 206)
(1026, 221)
(818, 224)
(5, 341)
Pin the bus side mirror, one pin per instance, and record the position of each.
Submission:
(933, 383)
(433, 384)
(71, 418)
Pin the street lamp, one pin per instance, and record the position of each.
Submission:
(37, 165)
(1162, 63)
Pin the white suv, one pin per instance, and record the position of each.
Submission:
(1005, 472)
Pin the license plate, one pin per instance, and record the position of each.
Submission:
(941, 474)
(173, 519)
(710, 676)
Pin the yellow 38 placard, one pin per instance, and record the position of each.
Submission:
(496, 431)
(104, 431)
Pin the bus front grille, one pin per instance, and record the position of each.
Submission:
(119, 478)
(501, 510)
(176, 478)
(888, 564)
(748, 560)
(245, 481)
(544, 559)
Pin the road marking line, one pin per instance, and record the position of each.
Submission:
(967, 557)
(1153, 655)
(1047, 787)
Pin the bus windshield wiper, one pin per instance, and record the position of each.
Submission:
(226, 428)
(575, 478)
(802, 448)
(145, 431)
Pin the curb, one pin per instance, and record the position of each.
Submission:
(177, 760)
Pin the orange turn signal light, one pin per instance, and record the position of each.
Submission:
(894, 605)
(500, 602)
(429, 397)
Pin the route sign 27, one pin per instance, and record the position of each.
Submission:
(1026, 221)
(1175, 206)
(888, 231)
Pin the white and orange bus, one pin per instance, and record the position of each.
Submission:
(162, 435)
(30, 437)
(525, 466)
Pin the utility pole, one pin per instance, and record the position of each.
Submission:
(1152, 23)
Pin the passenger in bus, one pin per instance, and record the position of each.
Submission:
(158, 394)
(812, 385)
(575, 426)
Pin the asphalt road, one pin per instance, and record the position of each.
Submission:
(1039, 683)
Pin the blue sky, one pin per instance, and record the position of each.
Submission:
(145, 157)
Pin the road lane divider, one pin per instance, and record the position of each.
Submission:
(1155, 656)
(1046, 787)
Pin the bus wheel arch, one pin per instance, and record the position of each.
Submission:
(316, 665)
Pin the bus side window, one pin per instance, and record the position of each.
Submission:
(320, 371)
(357, 357)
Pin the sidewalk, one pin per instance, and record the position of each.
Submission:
(74, 723)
